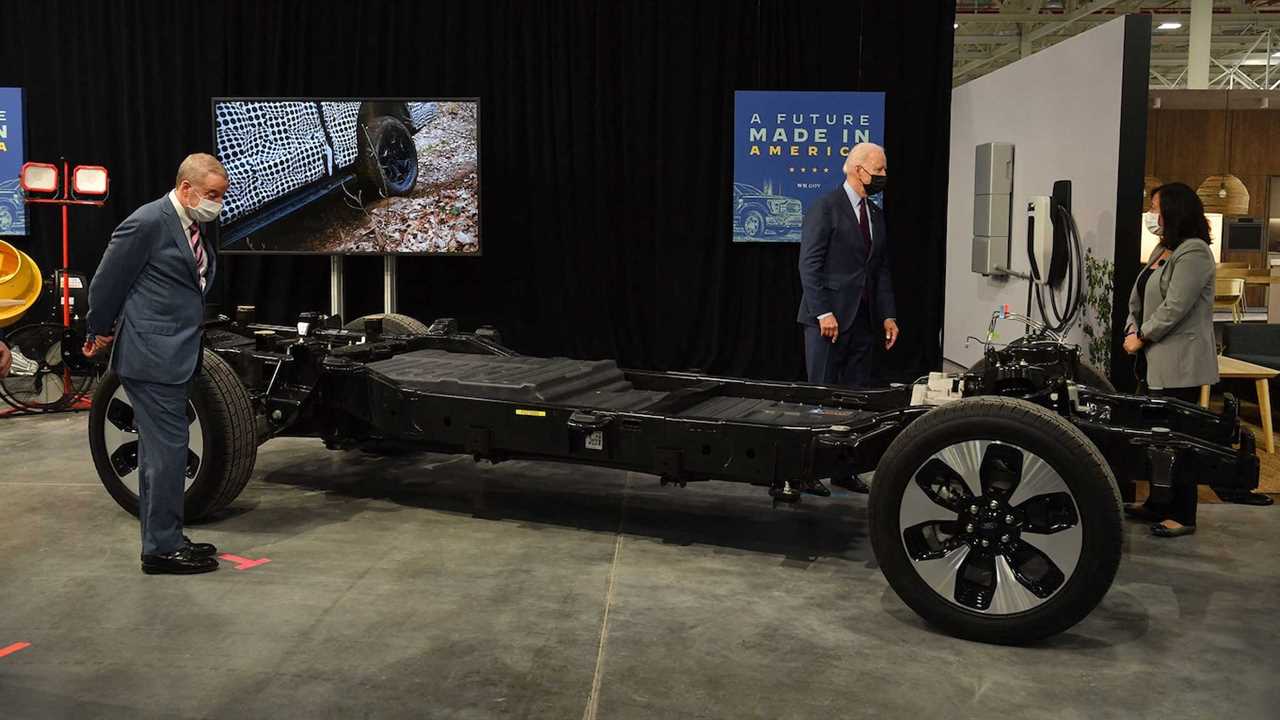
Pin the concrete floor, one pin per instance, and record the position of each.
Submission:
(429, 586)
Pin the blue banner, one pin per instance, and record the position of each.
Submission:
(13, 213)
(789, 149)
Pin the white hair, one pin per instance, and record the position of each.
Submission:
(859, 154)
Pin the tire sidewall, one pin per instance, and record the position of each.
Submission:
(392, 323)
(207, 484)
(1097, 503)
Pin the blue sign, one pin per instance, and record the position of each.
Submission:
(789, 149)
(13, 213)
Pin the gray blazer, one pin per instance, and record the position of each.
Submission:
(147, 280)
(1177, 318)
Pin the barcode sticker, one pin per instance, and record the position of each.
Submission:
(595, 441)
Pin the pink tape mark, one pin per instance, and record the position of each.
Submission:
(14, 648)
(243, 563)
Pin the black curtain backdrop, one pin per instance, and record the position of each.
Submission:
(606, 158)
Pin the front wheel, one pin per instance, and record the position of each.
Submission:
(996, 520)
(221, 452)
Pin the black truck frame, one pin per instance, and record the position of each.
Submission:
(995, 516)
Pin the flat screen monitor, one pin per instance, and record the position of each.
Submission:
(349, 176)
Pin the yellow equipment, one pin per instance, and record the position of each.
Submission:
(20, 284)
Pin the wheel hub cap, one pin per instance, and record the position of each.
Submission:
(120, 435)
(991, 527)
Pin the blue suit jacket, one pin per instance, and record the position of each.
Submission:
(147, 287)
(834, 267)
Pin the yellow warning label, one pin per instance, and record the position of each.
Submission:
(531, 413)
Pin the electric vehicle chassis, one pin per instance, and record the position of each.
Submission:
(995, 516)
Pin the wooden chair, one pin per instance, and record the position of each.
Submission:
(1228, 294)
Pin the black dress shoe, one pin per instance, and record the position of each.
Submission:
(815, 487)
(200, 549)
(852, 483)
(179, 562)
(1245, 498)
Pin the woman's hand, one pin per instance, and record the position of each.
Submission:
(1132, 343)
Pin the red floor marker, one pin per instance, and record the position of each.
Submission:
(243, 563)
(14, 648)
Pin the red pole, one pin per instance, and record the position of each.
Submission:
(66, 257)
(66, 280)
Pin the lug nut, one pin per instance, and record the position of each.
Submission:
(1008, 519)
(973, 509)
(1004, 538)
(968, 528)
(986, 543)
(995, 504)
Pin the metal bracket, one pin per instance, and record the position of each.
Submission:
(1161, 461)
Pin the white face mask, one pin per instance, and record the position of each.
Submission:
(206, 211)
(1152, 221)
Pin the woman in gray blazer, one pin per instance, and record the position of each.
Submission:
(1170, 327)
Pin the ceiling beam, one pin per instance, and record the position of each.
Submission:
(1219, 19)
(1034, 35)
(962, 39)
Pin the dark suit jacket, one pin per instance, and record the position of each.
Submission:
(147, 281)
(834, 267)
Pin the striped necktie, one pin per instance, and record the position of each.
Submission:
(197, 249)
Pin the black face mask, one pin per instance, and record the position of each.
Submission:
(877, 184)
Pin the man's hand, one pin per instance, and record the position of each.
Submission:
(890, 333)
(5, 359)
(1132, 344)
(829, 327)
(93, 348)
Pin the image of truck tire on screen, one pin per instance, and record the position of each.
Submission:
(222, 449)
(996, 520)
(388, 159)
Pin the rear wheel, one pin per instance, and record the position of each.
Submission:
(392, 324)
(48, 371)
(222, 449)
(996, 520)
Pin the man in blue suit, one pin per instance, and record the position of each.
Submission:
(845, 273)
(847, 303)
(146, 302)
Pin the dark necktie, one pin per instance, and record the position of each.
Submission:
(197, 249)
(865, 223)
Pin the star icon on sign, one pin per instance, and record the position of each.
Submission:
(791, 169)
(802, 169)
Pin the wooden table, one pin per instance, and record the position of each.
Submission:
(1229, 367)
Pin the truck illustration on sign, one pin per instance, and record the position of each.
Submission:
(757, 214)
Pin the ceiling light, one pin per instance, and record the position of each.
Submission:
(1169, 26)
